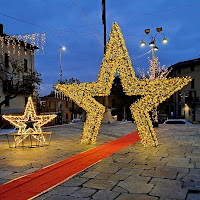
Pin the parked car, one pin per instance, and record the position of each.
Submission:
(177, 121)
(76, 120)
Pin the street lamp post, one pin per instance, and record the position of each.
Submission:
(154, 48)
(153, 40)
(61, 48)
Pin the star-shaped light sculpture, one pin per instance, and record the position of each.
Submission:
(153, 92)
(29, 123)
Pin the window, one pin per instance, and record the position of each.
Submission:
(113, 103)
(25, 65)
(179, 96)
(179, 110)
(72, 116)
(49, 104)
(192, 68)
(171, 98)
(6, 60)
(26, 100)
(66, 104)
(66, 116)
(192, 94)
(167, 109)
(192, 84)
(7, 103)
(172, 110)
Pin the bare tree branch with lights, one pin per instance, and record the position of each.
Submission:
(155, 72)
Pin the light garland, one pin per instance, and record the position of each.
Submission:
(29, 115)
(153, 92)
(35, 39)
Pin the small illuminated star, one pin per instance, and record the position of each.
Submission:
(29, 122)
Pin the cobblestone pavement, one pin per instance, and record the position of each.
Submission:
(170, 171)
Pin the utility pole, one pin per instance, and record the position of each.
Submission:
(107, 115)
(104, 22)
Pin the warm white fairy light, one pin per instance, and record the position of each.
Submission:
(153, 92)
(29, 115)
(2, 45)
(33, 40)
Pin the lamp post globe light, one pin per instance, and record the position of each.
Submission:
(153, 40)
(62, 48)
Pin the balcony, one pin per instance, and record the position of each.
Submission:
(191, 100)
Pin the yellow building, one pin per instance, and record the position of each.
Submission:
(67, 109)
(16, 64)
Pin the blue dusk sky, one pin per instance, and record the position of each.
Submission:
(64, 25)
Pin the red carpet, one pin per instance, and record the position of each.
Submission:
(42, 180)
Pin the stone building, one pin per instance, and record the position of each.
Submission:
(67, 109)
(185, 103)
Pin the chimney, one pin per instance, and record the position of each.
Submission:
(1, 29)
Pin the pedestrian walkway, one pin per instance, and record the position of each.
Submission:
(170, 171)
(42, 180)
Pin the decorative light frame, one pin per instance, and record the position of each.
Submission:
(20, 123)
(153, 92)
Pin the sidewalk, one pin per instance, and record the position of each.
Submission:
(171, 171)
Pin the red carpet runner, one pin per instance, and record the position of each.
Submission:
(42, 180)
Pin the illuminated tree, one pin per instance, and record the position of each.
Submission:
(155, 72)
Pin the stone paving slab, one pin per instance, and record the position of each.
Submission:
(168, 172)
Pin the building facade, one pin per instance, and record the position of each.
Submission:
(65, 108)
(16, 64)
(185, 103)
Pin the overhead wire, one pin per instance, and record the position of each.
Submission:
(163, 10)
(94, 32)
(69, 30)
(138, 57)
(30, 23)
(79, 10)
(26, 21)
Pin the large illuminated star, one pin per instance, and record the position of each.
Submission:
(29, 123)
(153, 92)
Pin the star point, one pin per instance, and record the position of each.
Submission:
(29, 122)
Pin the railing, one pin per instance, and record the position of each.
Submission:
(191, 100)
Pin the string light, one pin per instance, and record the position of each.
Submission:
(153, 92)
(20, 122)
(35, 39)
